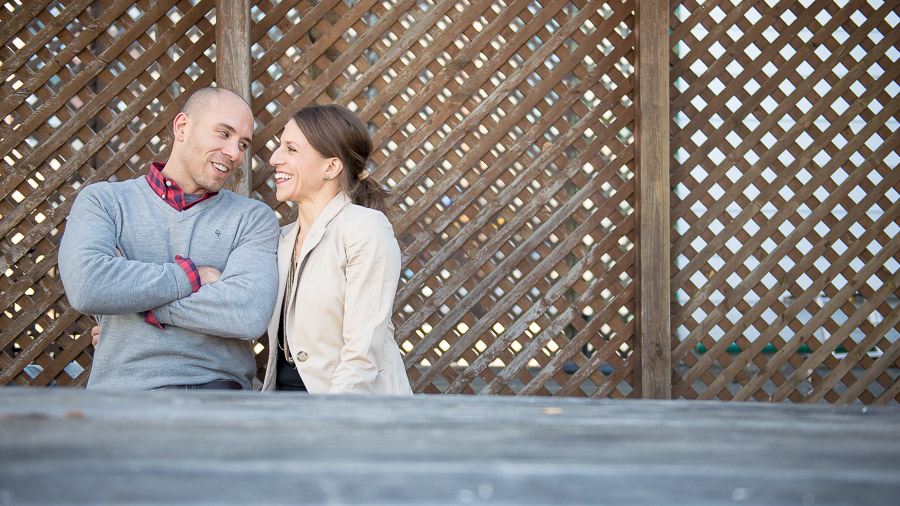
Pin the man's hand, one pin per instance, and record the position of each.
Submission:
(208, 275)
(95, 335)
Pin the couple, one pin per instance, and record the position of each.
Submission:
(183, 275)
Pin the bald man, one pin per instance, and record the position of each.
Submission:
(180, 273)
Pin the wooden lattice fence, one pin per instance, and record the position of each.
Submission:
(520, 161)
(785, 169)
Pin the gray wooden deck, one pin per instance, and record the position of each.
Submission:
(66, 446)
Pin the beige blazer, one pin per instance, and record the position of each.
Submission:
(338, 322)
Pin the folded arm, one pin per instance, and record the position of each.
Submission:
(240, 303)
(97, 279)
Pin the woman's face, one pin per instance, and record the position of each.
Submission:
(299, 169)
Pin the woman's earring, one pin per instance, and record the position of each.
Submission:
(327, 177)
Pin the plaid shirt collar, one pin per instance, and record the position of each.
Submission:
(168, 189)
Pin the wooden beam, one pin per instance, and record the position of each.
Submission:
(653, 330)
(233, 65)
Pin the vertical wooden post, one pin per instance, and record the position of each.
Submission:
(233, 66)
(652, 178)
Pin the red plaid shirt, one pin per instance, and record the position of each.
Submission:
(168, 190)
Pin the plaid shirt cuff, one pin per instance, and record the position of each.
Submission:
(149, 318)
(191, 270)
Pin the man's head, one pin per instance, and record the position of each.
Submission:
(212, 134)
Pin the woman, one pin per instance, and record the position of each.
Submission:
(338, 264)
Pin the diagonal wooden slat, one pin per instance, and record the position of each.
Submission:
(539, 271)
(47, 32)
(99, 101)
(766, 125)
(490, 280)
(493, 172)
(792, 345)
(853, 359)
(801, 196)
(834, 126)
(441, 295)
(100, 175)
(494, 121)
(93, 106)
(10, 27)
(801, 124)
(739, 266)
(487, 212)
(765, 266)
(836, 339)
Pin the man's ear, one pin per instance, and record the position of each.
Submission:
(179, 126)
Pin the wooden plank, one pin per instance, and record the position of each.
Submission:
(653, 333)
(247, 448)
(233, 67)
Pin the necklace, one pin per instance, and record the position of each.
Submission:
(288, 291)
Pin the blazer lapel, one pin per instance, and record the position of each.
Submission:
(312, 239)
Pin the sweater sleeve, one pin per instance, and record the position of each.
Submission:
(373, 271)
(96, 278)
(238, 305)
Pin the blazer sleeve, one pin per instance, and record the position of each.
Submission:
(238, 305)
(98, 280)
(372, 274)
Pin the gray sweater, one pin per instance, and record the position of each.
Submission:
(117, 259)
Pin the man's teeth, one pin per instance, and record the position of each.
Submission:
(220, 167)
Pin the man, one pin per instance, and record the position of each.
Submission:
(182, 271)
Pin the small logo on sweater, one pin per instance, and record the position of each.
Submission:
(218, 233)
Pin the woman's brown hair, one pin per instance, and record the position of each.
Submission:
(334, 131)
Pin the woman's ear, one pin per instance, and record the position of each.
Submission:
(334, 168)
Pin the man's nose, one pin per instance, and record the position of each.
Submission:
(233, 150)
